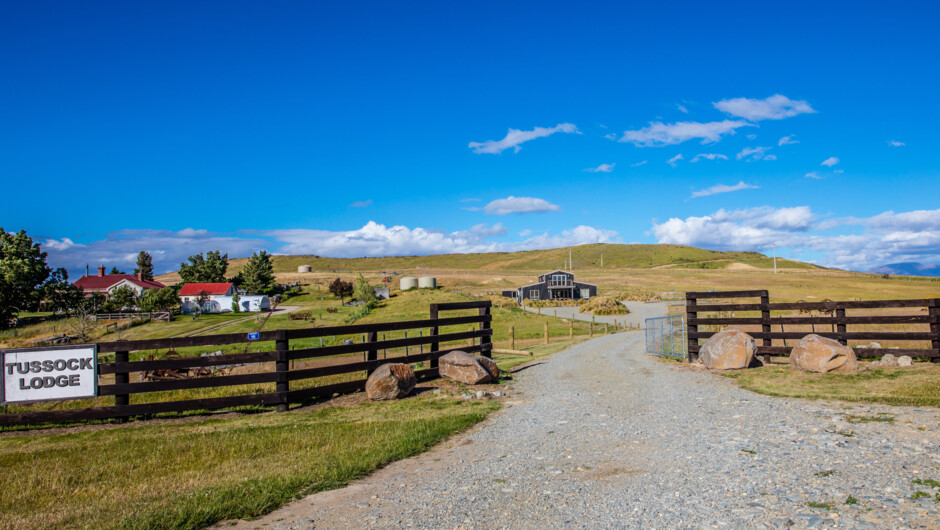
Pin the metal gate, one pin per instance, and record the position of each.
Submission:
(666, 336)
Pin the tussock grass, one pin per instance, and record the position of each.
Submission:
(189, 475)
(918, 385)
(602, 305)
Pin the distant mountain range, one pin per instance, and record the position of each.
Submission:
(910, 268)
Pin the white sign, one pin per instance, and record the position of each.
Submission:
(43, 374)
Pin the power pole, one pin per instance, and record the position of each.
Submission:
(570, 265)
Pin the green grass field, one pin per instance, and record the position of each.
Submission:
(193, 474)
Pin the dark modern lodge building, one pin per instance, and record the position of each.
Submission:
(555, 285)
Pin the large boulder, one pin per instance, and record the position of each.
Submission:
(390, 381)
(467, 369)
(819, 354)
(730, 349)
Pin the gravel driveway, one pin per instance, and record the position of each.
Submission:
(639, 312)
(603, 436)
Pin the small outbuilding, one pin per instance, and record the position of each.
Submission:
(223, 304)
(305, 268)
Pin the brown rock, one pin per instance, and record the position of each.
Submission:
(465, 368)
(490, 366)
(730, 349)
(819, 354)
(390, 381)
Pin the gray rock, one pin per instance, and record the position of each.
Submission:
(905, 360)
(889, 360)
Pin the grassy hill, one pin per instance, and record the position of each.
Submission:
(584, 257)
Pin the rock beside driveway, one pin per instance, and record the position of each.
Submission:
(468, 369)
(390, 381)
(819, 354)
(730, 349)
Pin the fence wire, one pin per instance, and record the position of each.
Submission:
(666, 336)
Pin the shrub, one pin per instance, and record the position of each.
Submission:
(602, 305)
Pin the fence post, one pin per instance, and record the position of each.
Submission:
(281, 365)
(121, 378)
(373, 354)
(765, 320)
(485, 342)
(840, 326)
(934, 312)
(435, 346)
(691, 314)
(571, 329)
(545, 332)
(470, 339)
(605, 328)
(512, 338)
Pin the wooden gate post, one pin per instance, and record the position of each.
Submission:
(690, 315)
(934, 312)
(282, 367)
(840, 326)
(765, 320)
(121, 378)
(435, 346)
(373, 354)
(486, 342)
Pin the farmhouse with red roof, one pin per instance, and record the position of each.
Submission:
(191, 291)
(105, 283)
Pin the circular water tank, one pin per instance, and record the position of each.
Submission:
(408, 282)
(427, 282)
(304, 268)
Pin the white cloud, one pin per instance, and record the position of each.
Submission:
(885, 238)
(682, 109)
(519, 205)
(709, 156)
(167, 248)
(674, 160)
(813, 175)
(638, 164)
(787, 140)
(378, 240)
(660, 134)
(776, 107)
(361, 204)
(722, 188)
(751, 136)
(755, 153)
(525, 233)
(610, 136)
(895, 143)
(603, 168)
(515, 137)
(829, 162)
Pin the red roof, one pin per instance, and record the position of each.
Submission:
(193, 289)
(103, 283)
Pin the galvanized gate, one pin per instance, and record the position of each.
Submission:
(666, 336)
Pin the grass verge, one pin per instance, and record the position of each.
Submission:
(189, 475)
(916, 386)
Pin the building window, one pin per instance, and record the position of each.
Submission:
(534, 294)
(559, 279)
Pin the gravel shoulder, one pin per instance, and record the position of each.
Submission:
(603, 435)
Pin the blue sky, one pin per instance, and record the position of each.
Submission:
(371, 129)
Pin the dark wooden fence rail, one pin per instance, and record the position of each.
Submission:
(836, 320)
(281, 356)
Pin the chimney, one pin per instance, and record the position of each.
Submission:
(101, 270)
(140, 276)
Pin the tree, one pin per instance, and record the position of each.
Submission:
(258, 274)
(114, 270)
(122, 297)
(59, 295)
(23, 271)
(363, 291)
(341, 289)
(205, 269)
(165, 299)
(144, 265)
(83, 311)
(235, 300)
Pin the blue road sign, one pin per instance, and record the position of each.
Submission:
(254, 336)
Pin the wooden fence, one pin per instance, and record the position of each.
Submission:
(151, 316)
(281, 357)
(831, 314)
